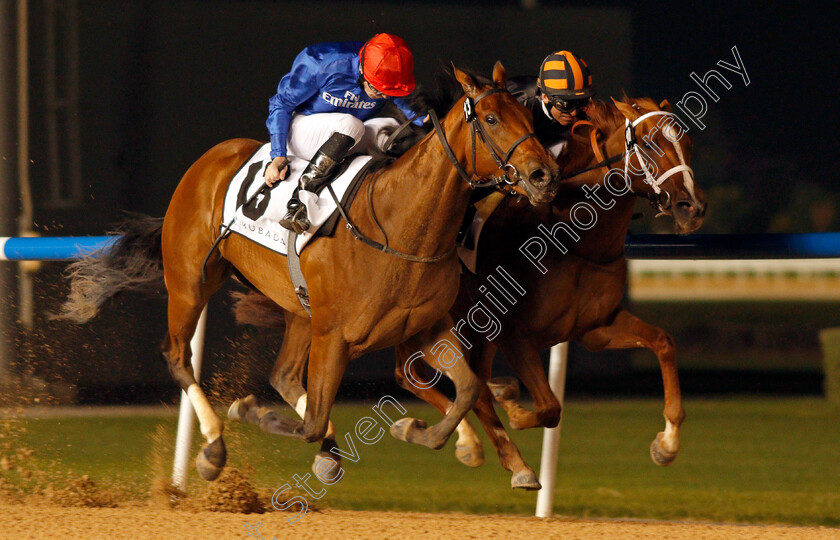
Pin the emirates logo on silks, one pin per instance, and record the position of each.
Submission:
(469, 111)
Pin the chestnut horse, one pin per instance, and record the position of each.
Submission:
(361, 299)
(573, 258)
(576, 293)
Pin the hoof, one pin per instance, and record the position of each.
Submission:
(332, 475)
(239, 409)
(406, 429)
(471, 456)
(526, 480)
(276, 423)
(211, 460)
(659, 454)
(504, 388)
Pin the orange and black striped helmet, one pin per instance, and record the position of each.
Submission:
(565, 75)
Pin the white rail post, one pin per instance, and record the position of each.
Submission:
(186, 417)
(551, 436)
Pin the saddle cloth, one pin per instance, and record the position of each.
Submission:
(259, 220)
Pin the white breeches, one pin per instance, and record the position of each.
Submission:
(308, 132)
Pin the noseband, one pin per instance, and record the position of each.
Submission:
(510, 175)
(658, 199)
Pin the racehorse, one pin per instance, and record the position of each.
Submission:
(361, 299)
(577, 281)
(573, 259)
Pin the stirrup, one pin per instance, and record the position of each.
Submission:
(296, 220)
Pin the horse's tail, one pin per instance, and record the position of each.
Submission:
(133, 263)
(256, 309)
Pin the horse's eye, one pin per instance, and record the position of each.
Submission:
(648, 146)
(491, 120)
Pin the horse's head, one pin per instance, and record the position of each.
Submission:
(657, 162)
(510, 155)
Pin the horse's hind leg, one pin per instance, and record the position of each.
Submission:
(187, 298)
(286, 378)
(438, 351)
(629, 332)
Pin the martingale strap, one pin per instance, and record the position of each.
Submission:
(358, 235)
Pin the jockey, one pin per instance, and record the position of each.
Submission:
(321, 107)
(557, 98)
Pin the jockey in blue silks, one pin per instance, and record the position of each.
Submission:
(325, 106)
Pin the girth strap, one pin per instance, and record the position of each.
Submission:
(298, 281)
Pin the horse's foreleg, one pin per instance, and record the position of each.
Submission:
(286, 377)
(629, 332)
(435, 346)
(523, 476)
(524, 358)
(409, 376)
(328, 359)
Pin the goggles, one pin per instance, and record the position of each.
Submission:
(568, 106)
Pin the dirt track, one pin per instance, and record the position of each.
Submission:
(18, 521)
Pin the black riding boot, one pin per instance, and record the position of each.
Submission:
(320, 171)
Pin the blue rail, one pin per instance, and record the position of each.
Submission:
(51, 248)
(734, 246)
(641, 246)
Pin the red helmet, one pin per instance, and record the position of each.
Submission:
(388, 65)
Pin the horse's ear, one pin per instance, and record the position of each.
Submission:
(627, 110)
(666, 106)
(467, 82)
(500, 75)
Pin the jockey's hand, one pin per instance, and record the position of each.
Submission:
(277, 170)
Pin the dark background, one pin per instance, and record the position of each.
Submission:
(162, 82)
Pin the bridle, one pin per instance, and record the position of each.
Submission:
(631, 148)
(510, 175)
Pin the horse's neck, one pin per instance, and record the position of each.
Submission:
(604, 241)
(420, 199)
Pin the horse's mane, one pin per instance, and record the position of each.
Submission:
(446, 91)
(604, 115)
(607, 118)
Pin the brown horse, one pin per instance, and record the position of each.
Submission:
(576, 294)
(361, 299)
(572, 256)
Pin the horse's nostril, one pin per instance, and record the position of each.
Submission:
(689, 209)
(539, 176)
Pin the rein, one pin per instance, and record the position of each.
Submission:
(501, 159)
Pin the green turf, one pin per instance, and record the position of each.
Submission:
(767, 460)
